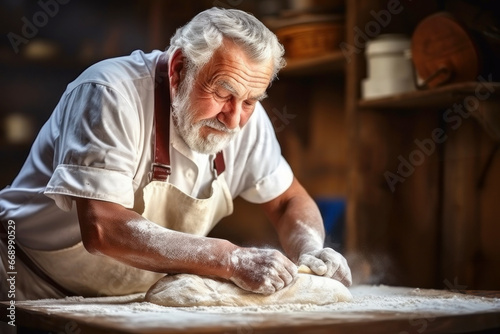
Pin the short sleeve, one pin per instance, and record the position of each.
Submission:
(270, 186)
(95, 154)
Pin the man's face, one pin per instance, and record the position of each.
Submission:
(210, 109)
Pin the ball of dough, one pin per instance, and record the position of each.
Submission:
(185, 290)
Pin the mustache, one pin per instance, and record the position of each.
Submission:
(217, 125)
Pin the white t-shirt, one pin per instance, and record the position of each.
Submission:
(98, 144)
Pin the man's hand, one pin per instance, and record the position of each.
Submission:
(298, 221)
(262, 271)
(327, 262)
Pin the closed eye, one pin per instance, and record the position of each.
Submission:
(250, 103)
(222, 95)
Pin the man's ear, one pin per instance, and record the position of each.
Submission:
(176, 69)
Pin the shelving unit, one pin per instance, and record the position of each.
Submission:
(486, 94)
(421, 212)
(330, 63)
(439, 97)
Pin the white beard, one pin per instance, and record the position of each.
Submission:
(183, 115)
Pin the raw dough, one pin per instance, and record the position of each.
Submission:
(184, 290)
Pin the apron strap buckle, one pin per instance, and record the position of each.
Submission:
(160, 172)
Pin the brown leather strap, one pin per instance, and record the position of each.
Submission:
(219, 164)
(28, 262)
(161, 164)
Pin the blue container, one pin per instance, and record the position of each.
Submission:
(332, 211)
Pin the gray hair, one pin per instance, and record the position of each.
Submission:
(204, 34)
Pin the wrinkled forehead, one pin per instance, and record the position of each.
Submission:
(230, 64)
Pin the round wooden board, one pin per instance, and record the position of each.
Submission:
(442, 42)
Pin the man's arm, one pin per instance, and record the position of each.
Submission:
(112, 230)
(299, 225)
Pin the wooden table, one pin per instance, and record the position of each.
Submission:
(407, 311)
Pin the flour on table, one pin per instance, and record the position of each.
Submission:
(186, 290)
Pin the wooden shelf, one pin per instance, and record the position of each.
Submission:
(447, 97)
(439, 97)
(330, 63)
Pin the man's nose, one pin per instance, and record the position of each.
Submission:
(230, 114)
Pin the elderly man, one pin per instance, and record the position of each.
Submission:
(143, 155)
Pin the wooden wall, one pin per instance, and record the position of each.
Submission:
(435, 227)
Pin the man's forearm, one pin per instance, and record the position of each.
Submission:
(126, 236)
(158, 249)
(300, 227)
